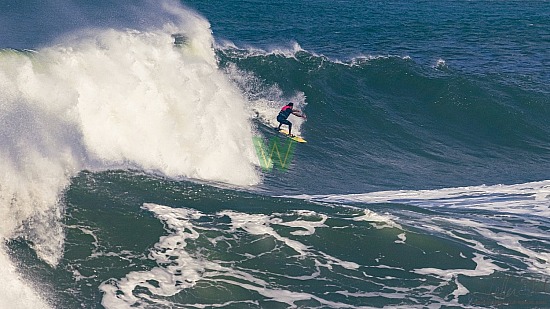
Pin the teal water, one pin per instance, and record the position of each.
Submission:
(129, 177)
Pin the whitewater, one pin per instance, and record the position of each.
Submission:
(109, 99)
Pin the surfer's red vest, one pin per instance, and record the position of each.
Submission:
(285, 111)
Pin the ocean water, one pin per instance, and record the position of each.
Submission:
(130, 177)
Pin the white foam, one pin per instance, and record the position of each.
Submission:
(257, 224)
(288, 51)
(306, 227)
(537, 260)
(149, 104)
(115, 99)
(377, 220)
(524, 199)
(16, 293)
(291, 50)
(183, 270)
(484, 267)
(179, 269)
(401, 238)
(440, 64)
(509, 223)
(118, 98)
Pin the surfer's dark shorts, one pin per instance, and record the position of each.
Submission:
(283, 121)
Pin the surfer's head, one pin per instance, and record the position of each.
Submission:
(290, 104)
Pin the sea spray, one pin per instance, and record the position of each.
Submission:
(111, 98)
(16, 293)
(144, 102)
(121, 98)
(38, 154)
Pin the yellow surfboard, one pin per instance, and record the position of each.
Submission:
(296, 138)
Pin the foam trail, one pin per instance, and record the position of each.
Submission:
(524, 207)
(522, 199)
(114, 99)
(181, 268)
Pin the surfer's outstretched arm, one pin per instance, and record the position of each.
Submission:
(299, 113)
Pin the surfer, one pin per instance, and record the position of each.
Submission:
(283, 115)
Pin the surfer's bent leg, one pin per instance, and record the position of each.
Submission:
(289, 124)
(284, 121)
